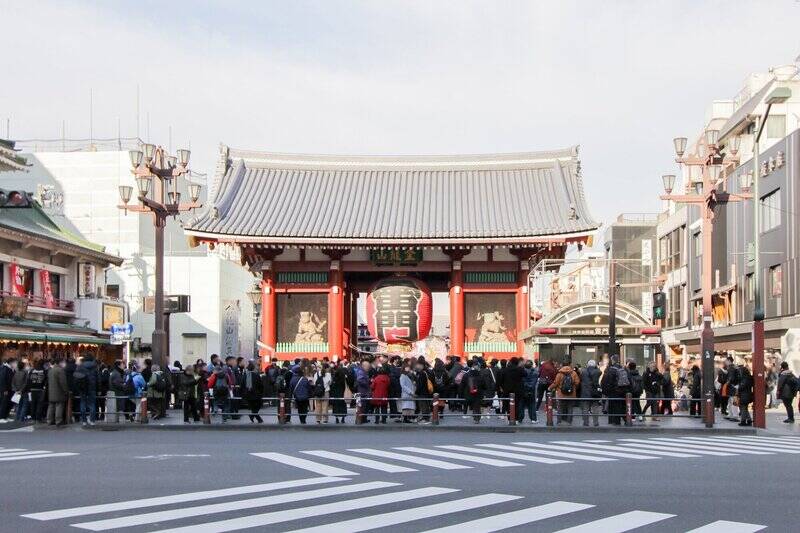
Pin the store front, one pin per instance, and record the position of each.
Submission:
(581, 332)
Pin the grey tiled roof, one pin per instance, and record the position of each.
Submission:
(284, 197)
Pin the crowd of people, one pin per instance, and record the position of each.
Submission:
(376, 388)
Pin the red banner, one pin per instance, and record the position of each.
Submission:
(47, 288)
(17, 274)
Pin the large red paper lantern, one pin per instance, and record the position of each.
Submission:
(399, 310)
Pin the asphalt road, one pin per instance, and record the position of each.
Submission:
(680, 486)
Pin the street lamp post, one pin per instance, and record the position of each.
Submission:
(777, 96)
(255, 297)
(706, 194)
(157, 174)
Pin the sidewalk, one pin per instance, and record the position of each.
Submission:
(448, 422)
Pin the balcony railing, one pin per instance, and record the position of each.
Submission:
(40, 301)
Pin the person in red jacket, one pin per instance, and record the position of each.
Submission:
(380, 394)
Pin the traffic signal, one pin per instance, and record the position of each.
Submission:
(659, 306)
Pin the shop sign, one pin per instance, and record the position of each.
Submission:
(121, 333)
(86, 279)
(396, 256)
(112, 314)
(47, 288)
(17, 275)
(13, 307)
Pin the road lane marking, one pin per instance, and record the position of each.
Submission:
(757, 445)
(290, 515)
(724, 526)
(585, 448)
(38, 456)
(410, 515)
(433, 463)
(709, 447)
(646, 444)
(503, 521)
(25, 452)
(507, 455)
(359, 461)
(305, 464)
(237, 505)
(622, 448)
(546, 449)
(619, 523)
(178, 498)
(459, 456)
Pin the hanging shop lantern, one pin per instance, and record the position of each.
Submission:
(399, 310)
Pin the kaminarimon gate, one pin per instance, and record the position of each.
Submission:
(319, 230)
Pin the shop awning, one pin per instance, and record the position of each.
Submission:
(30, 336)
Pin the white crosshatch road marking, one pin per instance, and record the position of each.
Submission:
(437, 509)
(22, 454)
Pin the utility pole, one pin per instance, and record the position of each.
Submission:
(612, 308)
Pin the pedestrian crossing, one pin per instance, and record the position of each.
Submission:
(517, 454)
(323, 504)
(22, 454)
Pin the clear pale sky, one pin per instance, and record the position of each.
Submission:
(620, 79)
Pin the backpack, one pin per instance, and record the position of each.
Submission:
(221, 383)
(636, 385)
(128, 386)
(472, 385)
(160, 385)
(439, 380)
(567, 385)
(81, 380)
(280, 383)
(622, 377)
(319, 388)
(36, 377)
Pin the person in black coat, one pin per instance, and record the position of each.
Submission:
(653, 381)
(252, 391)
(513, 377)
(472, 389)
(695, 391)
(745, 395)
(338, 384)
(668, 390)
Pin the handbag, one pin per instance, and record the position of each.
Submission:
(16, 398)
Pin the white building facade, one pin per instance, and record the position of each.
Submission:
(81, 190)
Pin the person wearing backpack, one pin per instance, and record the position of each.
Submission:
(590, 388)
(615, 384)
(156, 391)
(547, 373)
(473, 389)
(300, 392)
(565, 385)
(35, 387)
(637, 389)
(322, 393)
(221, 386)
(530, 383)
(787, 389)
(85, 379)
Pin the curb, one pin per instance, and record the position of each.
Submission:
(465, 429)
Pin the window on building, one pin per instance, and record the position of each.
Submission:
(771, 211)
(112, 291)
(25, 279)
(776, 127)
(55, 285)
(776, 281)
(675, 306)
(749, 287)
(697, 244)
(670, 248)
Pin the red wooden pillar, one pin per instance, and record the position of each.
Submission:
(347, 331)
(269, 307)
(456, 309)
(523, 306)
(335, 311)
